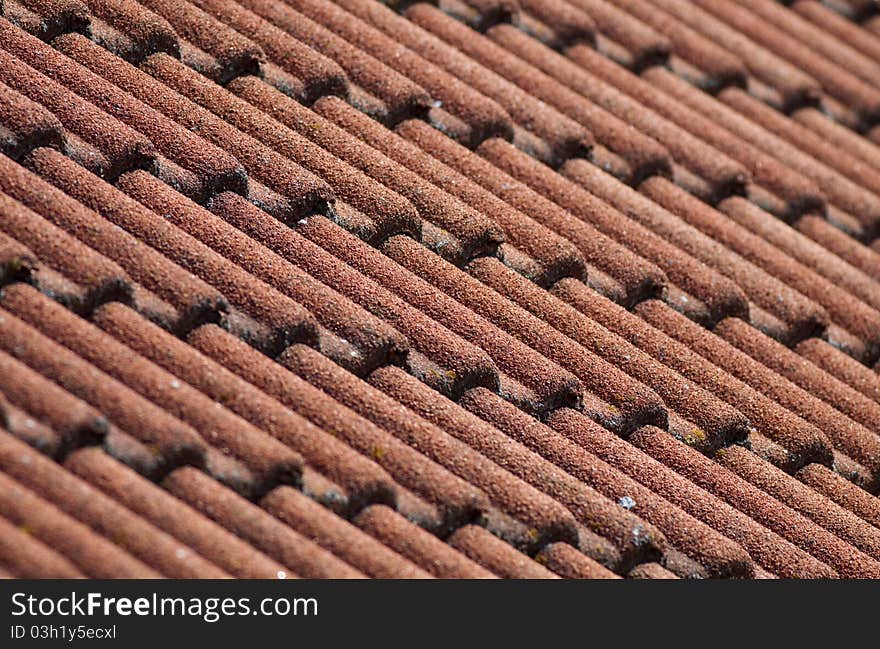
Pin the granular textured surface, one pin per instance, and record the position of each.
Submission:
(525, 289)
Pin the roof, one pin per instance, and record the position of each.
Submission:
(523, 289)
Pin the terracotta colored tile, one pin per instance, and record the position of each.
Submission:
(350, 185)
(400, 97)
(683, 270)
(48, 18)
(114, 147)
(837, 520)
(842, 367)
(857, 474)
(720, 67)
(564, 137)
(338, 536)
(856, 10)
(28, 429)
(650, 571)
(723, 174)
(795, 85)
(458, 501)
(211, 168)
(481, 117)
(718, 424)
(646, 46)
(643, 155)
(258, 527)
(133, 453)
(841, 244)
(708, 119)
(288, 320)
(471, 233)
(474, 230)
(718, 555)
(799, 193)
(372, 342)
(29, 558)
(747, 256)
(682, 566)
(591, 508)
(206, 44)
(636, 275)
(417, 545)
(495, 555)
(174, 441)
(603, 551)
(809, 253)
(101, 278)
(567, 449)
(845, 309)
(129, 30)
(766, 510)
(675, 230)
(855, 192)
(555, 256)
(73, 421)
(96, 556)
(171, 515)
(317, 74)
(762, 128)
(841, 491)
(26, 125)
(802, 372)
(447, 361)
(837, 133)
(807, 444)
(363, 480)
(773, 420)
(481, 14)
(828, 46)
(547, 520)
(567, 23)
(283, 248)
(271, 461)
(634, 401)
(299, 189)
(546, 384)
(569, 563)
(114, 522)
(835, 80)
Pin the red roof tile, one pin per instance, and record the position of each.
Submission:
(363, 480)
(29, 558)
(342, 288)
(129, 30)
(175, 441)
(495, 555)
(264, 531)
(206, 44)
(558, 136)
(417, 545)
(269, 460)
(644, 46)
(127, 530)
(174, 517)
(405, 464)
(48, 18)
(338, 535)
(93, 554)
(757, 504)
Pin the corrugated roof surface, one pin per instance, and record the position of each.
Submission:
(476, 288)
